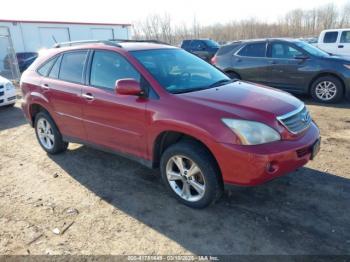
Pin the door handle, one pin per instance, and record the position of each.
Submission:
(45, 86)
(340, 46)
(88, 96)
(273, 62)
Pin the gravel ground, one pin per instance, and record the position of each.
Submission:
(89, 202)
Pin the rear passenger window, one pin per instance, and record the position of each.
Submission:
(72, 66)
(330, 37)
(254, 50)
(56, 68)
(45, 68)
(108, 67)
(186, 44)
(197, 45)
(345, 37)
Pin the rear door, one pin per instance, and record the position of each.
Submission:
(63, 87)
(286, 71)
(113, 121)
(329, 42)
(251, 63)
(344, 44)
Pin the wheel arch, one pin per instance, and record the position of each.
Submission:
(323, 74)
(34, 109)
(167, 138)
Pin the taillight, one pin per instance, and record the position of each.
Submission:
(213, 60)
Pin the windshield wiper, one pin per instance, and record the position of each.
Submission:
(187, 90)
(222, 82)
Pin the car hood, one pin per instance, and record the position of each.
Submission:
(338, 58)
(246, 100)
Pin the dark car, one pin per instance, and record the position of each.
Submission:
(24, 59)
(292, 65)
(203, 48)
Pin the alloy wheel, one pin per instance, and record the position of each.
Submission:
(185, 178)
(45, 134)
(326, 90)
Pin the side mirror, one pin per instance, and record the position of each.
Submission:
(301, 57)
(128, 86)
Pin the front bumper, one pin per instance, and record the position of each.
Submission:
(254, 165)
(7, 97)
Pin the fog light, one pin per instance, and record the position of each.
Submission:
(272, 167)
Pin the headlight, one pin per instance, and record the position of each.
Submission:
(347, 66)
(251, 132)
(9, 86)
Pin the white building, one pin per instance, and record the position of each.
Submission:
(31, 36)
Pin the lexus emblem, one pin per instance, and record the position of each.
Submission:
(305, 117)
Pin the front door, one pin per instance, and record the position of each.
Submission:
(113, 121)
(344, 44)
(287, 70)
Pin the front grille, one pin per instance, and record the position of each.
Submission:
(1, 93)
(296, 121)
(11, 98)
(1, 86)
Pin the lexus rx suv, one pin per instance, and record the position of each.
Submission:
(289, 64)
(167, 109)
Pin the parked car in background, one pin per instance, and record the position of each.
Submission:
(310, 40)
(203, 48)
(335, 41)
(7, 92)
(167, 108)
(292, 65)
(24, 59)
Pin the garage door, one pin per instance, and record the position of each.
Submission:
(102, 33)
(48, 35)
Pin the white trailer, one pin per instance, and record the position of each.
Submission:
(31, 36)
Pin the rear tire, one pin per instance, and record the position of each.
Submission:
(48, 135)
(327, 89)
(199, 184)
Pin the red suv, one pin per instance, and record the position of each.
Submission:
(167, 108)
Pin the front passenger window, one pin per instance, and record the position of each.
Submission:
(108, 67)
(284, 51)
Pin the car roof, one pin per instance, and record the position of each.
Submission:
(336, 29)
(245, 41)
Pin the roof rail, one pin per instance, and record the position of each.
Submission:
(63, 44)
(138, 41)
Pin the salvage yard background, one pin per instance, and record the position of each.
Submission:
(89, 202)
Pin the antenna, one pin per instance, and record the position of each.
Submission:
(54, 39)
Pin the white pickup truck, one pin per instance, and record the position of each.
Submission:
(7, 92)
(335, 41)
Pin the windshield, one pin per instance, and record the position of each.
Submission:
(312, 49)
(179, 71)
(211, 43)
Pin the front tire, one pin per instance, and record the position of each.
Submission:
(327, 89)
(191, 175)
(48, 135)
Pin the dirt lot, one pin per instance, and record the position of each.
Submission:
(120, 207)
